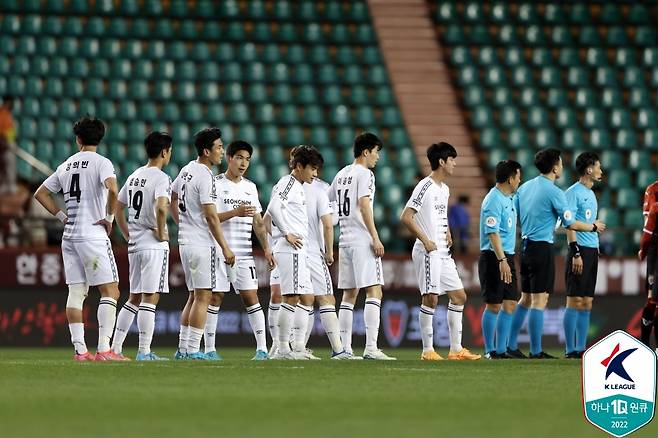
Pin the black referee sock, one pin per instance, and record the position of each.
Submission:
(647, 322)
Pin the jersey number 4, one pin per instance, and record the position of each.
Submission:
(343, 204)
(74, 188)
(136, 202)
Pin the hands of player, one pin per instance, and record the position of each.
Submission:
(577, 265)
(641, 255)
(329, 258)
(245, 210)
(164, 237)
(270, 259)
(229, 257)
(107, 225)
(430, 246)
(378, 248)
(505, 272)
(294, 240)
(600, 226)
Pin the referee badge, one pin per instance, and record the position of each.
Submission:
(588, 213)
(568, 215)
(491, 221)
(509, 222)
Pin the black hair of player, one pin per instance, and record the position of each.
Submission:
(89, 130)
(306, 156)
(239, 145)
(585, 160)
(440, 151)
(156, 142)
(546, 159)
(366, 142)
(505, 170)
(205, 138)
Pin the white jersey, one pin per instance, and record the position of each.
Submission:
(288, 210)
(140, 193)
(237, 230)
(195, 186)
(352, 183)
(317, 205)
(82, 180)
(430, 201)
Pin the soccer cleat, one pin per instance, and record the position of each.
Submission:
(376, 355)
(180, 355)
(353, 356)
(310, 355)
(282, 355)
(85, 357)
(273, 350)
(343, 355)
(573, 355)
(110, 355)
(149, 356)
(494, 355)
(542, 355)
(464, 354)
(196, 356)
(213, 355)
(260, 355)
(299, 355)
(516, 354)
(430, 355)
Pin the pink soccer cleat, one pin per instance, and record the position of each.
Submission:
(110, 355)
(86, 357)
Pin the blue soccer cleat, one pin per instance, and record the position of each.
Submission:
(180, 355)
(149, 356)
(260, 355)
(212, 355)
(196, 356)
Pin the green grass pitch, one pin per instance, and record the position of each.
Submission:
(43, 393)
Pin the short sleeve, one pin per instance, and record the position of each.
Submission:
(572, 200)
(123, 195)
(163, 187)
(331, 190)
(324, 207)
(419, 195)
(52, 183)
(491, 215)
(207, 190)
(365, 184)
(560, 205)
(517, 206)
(256, 201)
(177, 184)
(106, 171)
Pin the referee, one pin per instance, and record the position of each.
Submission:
(540, 203)
(583, 256)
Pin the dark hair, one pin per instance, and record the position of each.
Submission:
(89, 130)
(546, 159)
(305, 155)
(585, 160)
(505, 170)
(366, 142)
(440, 151)
(239, 145)
(205, 138)
(156, 142)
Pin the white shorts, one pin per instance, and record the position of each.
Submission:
(275, 277)
(89, 261)
(358, 267)
(203, 268)
(295, 278)
(247, 278)
(320, 276)
(435, 275)
(149, 271)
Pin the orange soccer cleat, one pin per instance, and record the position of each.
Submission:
(111, 356)
(430, 355)
(464, 354)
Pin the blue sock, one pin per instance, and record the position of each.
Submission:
(517, 322)
(488, 329)
(569, 323)
(582, 329)
(536, 328)
(503, 325)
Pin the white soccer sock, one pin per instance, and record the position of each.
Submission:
(257, 322)
(371, 317)
(330, 324)
(345, 316)
(273, 321)
(210, 332)
(425, 318)
(299, 327)
(286, 316)
(310, 325)
(455, 313)
(107, 315)
(183, 336)
(194, 341)
(77, 330)
(124, 321)
(145, 325)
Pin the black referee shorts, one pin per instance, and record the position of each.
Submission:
(537, 267)
(582, 285)
(495, 290)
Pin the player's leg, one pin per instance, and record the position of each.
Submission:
(510, 296)
(125, 320)
(582, 327)
(273, 311)
(310, 324)
(569, 323)
(107, 312)
(78, 291)
(288, 265)
(210, 328)
(428, 271)
(429, 301)
(489, 319)
(155, 274)
(518, 319)
(329, 319)
(489, 275)
(541, 284)
(303, 309)
(247, 284)
(198, 315)
(184, 332)
(346, 283)
(146, 326)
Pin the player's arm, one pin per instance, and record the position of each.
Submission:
(258, 226)
(173, 208)
(369, 221)
(210, 213)
(503, 265)
(110, 205)
(267, 222)
(243, 210)
(122, 223)
(161, 210)
(328, 233)
(280, 218)
(407, 219)
(566, 215)
(45, 198)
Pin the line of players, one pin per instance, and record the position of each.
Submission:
(216, 215)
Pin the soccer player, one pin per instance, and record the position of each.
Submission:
(649, 250)
(361, 251)
(288, 212)
(89, 185)
(496, 265)
(540, 203)
(583, 256)
(275, 288)
(426, 216)
(147, 194)
(239, 212)
(198, 231)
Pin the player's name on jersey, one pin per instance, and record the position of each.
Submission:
(137, 182)
(344, 180)
(77, 165)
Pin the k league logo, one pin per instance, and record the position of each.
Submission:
(619, 384)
